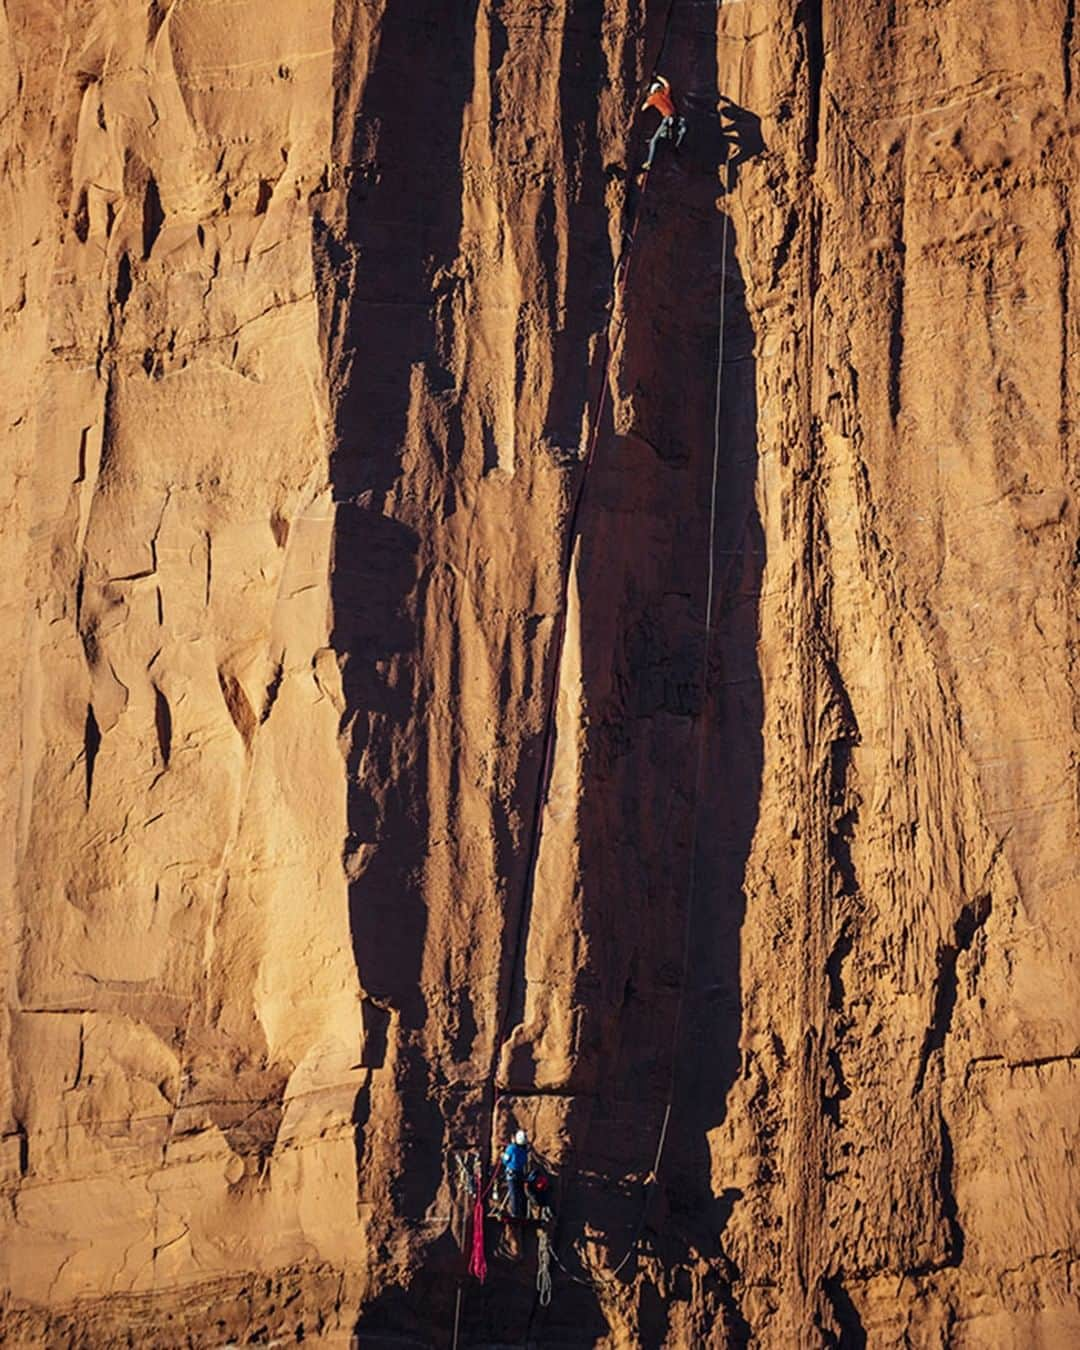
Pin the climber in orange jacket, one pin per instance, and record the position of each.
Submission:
(672, 127)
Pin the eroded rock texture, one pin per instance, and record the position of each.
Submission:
(307, 312)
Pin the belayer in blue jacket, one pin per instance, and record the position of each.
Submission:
(515, 1161)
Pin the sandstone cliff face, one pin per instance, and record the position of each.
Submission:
(307, 310)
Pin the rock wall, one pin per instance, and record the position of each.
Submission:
(448, 689)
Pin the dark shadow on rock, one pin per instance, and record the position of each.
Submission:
(657, 699)
(652, 1318)
(587, 290)
(504, 1311)
(741, 130)
(399, 1319)
(852, 1332)
(387, 283)
(644, 540)
(382, 275)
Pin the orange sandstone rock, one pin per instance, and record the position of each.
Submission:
(384, 771)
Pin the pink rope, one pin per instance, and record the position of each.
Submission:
(477, 1260)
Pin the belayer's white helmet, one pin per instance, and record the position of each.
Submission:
(521, 1137)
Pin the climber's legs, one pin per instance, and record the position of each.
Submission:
(670, 129)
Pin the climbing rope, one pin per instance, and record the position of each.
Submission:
(472, 1186)
(477, 1256)
(457, 1318)
(543, 1268)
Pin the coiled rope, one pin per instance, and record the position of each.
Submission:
(543, 1269)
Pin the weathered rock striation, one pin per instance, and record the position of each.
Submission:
(345, 484)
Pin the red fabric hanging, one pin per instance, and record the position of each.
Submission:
(478, 1260)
